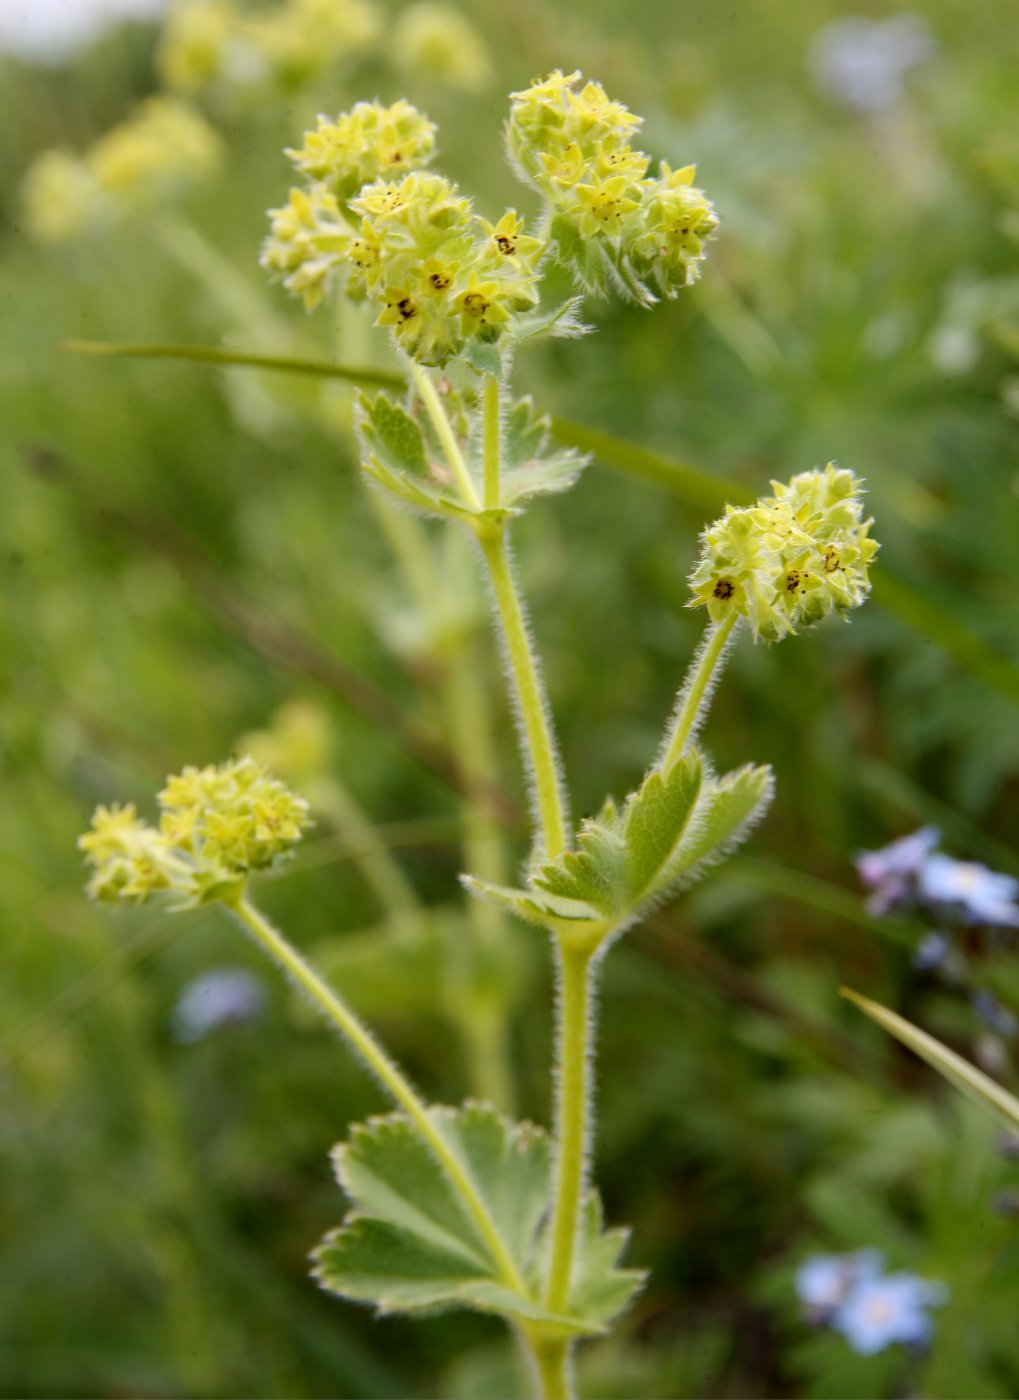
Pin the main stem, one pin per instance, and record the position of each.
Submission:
(539, 745)
(697, 689)
(571, 1120)
(365, 1045)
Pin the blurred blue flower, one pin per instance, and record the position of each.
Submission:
(824, 1281)
(862, 62)
(891, 873)
(882, 1310)
(995, 1017)
(978, 895)
(932, 951)
(218, 998)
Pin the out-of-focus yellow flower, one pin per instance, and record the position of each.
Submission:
(60, 197)
(217, 825)
(299, 744)
(196, 45)
(164, 145)
(438, 41)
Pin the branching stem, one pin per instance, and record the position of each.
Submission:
(392, 1079)
(444, 431)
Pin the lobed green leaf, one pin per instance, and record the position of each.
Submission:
(409, 1243)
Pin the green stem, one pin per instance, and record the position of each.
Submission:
(491, 441)
(552, 1369)
(571, 1120)
(444, 431)
(697, 689)
(539, 744)
(365, 1045)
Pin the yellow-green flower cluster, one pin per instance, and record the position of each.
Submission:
(228, 45)
(574, 145)
(791, 559)
(217, 825)
(439, 275)
(363, 144)
(163, 147)
(433, 39)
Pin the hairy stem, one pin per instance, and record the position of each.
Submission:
(540, 755)
(491, 441)
(550, 1360)
(444, 431)
(392, 1079)
(571, 1136)
(696, 691)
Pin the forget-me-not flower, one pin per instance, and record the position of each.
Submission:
(890, 873)
(218, 998)
(978, 895)
(883, 1309)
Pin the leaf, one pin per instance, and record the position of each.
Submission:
(672, 829)
(396, 458)
(547, 910)
(410, 1244)
(656, 818)
(728, 809)
(972, 1082)
(530, 466)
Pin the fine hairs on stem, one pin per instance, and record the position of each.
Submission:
(529, 700)
(695, 695)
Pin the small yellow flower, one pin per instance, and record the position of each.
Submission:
(61, 198)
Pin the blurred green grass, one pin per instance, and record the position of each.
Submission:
(185, 548)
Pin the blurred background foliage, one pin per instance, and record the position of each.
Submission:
(186, 549)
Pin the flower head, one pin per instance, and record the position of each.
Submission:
(363, 144)
(890, 873)
(222, 997)
(824, 1281)
(574, 145)
(969, 890)
(164, 145)
(853, 1295)
(217, 825)
(881, 1310)
(791, 559)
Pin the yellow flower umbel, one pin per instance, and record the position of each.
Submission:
(574, 145)
(363, 144)
(791, 559)
(217, 825)
(439, 275)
